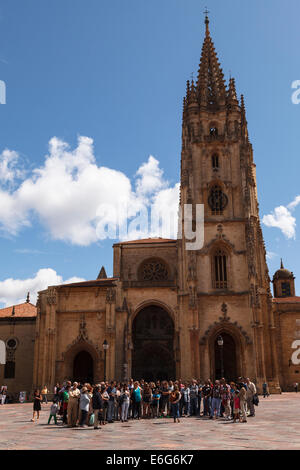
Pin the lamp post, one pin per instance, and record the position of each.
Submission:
(105, 348)
(220, 344)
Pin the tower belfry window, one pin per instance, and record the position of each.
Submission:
(215, 161)
(220, 270)
(217, 200)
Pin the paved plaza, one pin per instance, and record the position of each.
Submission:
(276, 426)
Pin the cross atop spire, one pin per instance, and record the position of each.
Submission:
(206, 12)
(211, 84)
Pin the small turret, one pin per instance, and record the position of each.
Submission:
(283, 282)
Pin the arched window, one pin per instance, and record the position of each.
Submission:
(215, 161)
(220, 275)
(217, 200)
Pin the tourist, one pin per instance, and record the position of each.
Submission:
(225, 397)
(65, 401)
(175, 396)
(243, 403)
(200, 385)
(37, 400)
(206, 395)
(74, 395)
(44, 394)
(147, 399)
(265, 390)
(125, 401)
(56, 391)
(155, 403)
(216, 401)
(84, 405)
(105, 398)
(97, 405)
(236, 406)
(111, 390)
(251, 391)
(164, 398)
(53, 411)
(136, 397)
(3, 394)
(185, 400)
(193, 398)
(296, 387)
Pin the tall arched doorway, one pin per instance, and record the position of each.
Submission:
(153, 339)
(226, 355)
(83, 367)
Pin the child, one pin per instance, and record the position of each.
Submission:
(236, 406)
(53, 411)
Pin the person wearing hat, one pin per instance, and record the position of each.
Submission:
(74, 394)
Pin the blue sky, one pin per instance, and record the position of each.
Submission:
(115, 72)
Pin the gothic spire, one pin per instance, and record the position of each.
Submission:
(231, 95)
(102, 273)
(211, 84)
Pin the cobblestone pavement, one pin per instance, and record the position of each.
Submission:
(275, 426)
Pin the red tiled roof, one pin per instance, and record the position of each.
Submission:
(147, 240)
(285, 300)
(24, 310)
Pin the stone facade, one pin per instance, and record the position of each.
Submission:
(165, 308)
(17, 330)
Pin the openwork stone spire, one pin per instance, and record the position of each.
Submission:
(211, 88)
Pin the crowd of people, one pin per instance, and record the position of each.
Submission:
(86, 405)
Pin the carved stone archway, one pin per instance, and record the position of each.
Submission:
(66, 369)
(153, 336)
(235, 337)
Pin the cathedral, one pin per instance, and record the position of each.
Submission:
(171, 312)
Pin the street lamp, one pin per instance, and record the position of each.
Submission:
(105, 348)
(220, 344)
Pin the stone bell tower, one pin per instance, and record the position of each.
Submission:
(223, 287)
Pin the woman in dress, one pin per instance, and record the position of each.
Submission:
(37, 400)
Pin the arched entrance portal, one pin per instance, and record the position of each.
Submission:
(153, 338)
(227, 355)
(83, 367)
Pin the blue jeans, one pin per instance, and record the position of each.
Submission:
(110, 410)
(194, 406)
(206, 406)
(215, 405)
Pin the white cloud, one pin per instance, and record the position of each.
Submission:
(150, 178)
(68, 192)
(282, 218)
(294, 203)
(8, 166)
(271, 255)
(14, 291)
